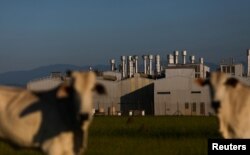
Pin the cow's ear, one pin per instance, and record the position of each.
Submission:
(99, 88)
(62, 92)
(231, 82)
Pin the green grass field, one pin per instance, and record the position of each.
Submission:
(144, 136)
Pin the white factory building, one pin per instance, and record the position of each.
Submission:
(178, 94)
(232, 68)
(157, 89)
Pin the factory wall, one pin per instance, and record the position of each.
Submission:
(111, 100)
(180, 95)
(239, 69)
(134, 93)
(141, 99)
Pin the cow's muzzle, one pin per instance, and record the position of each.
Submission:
(216, 106)
(84, 117)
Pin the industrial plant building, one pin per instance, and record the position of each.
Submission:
(157, 89)
(232, 68)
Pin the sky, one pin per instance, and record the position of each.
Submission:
(37, 33)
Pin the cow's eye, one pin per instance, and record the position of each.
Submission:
(231, 82)
(99, 88)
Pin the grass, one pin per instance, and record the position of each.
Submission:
(144, 135)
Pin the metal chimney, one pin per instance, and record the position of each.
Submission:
(90, 68)
(130, 66)
(248, 62)
(145, 57)
(170, 59)
(112, 63)
(201, 61)
(184, 54)
(150, 64)
(123, 59)
(176, 53)
(136, 63)
(192, 59)
(157, 64)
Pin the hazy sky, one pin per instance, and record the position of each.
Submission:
(43, 32)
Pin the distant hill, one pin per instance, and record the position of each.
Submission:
(20, 78)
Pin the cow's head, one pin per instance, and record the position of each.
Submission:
(218, 84)
(80, 88)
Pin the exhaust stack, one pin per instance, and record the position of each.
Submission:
(184, 54)
(192, 59)
(176, 53)
(145, 57)
(130, 66)
(135, 64)
(158, 64)
(112, 63)
(123, 59)
(150, 64)
(170, 59)
(201, 61)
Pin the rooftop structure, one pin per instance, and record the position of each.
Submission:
(232, 68)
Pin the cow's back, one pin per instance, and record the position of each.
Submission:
(13, 126)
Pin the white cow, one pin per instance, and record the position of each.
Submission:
(231, 101)
(55, 121)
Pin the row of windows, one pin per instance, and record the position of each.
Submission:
(193, 107)
(228, 69)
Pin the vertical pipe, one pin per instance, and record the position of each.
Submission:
(192, 59)
(150, 64)
(112, 63)
(123, 59)
(130, 66)
(145, 57)
(136, 64)
(157, 64)
(176, 53)
(201, 60)
(184, 53)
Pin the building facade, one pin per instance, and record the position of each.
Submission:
(179, 94)
(131, 94)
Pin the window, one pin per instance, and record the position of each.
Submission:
(197, 68)
(197, 75)
(186, 105)
(195, 92)
(202, 108)
(168, 92)
(194, 107)
(233, 69)
(228, 69)
(224, 69)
